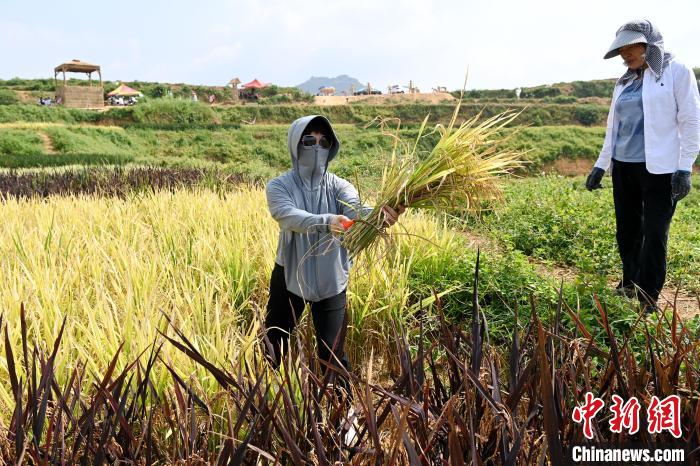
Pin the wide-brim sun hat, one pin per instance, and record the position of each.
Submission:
(624, 37)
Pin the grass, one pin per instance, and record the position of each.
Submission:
(257, 150)
(165, 113)
(174, 113)
(7, 97)
(556, 219)
(24, 148)
(39, 114)
(546, 145)
(94, 140)
(20, 143)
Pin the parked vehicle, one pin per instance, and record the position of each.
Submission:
(366, 91)
(122, 101)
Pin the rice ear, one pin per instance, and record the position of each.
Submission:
(460, 173)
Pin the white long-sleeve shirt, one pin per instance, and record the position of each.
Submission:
(671, 120)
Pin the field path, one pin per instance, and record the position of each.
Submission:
(688, 306)
(46, 143)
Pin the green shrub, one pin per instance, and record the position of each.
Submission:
(540, 92)
(409, 114)
(40, 114)
(86, 140)
(547, 144)
(589, 115)
(19, 142)
(174, 113)
(8, 97)
(272, 95)
(599, 88)
(269, 91)
(564, 99)
(157, 91)
(45, 85)
(486, 94)
(278, 99)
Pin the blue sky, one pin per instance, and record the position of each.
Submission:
(505, 44)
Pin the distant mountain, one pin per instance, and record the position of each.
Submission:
(341, 83)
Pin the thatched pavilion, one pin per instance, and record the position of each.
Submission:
(235, 92)
(79, 96)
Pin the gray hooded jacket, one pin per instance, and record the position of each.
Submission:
(303, 201)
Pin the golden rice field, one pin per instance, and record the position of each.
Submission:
(113, 267)
(117, 269)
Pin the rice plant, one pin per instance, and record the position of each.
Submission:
(112, 182)
(114, 265)
(459, 174)
(457, 399)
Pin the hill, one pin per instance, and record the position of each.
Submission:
(566, 92)
(342, 83)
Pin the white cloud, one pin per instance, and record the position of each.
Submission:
(219, 54)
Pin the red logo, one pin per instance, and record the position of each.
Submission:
(665, 415)
(587, 412)
(625, 415)
(661, 415)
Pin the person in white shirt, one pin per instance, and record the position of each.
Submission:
(652, 141)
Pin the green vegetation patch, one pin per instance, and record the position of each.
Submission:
(181, 114)
(174, 113)
(8, 97)
(19, 142)
(260, 151)
(90, 140)
(545, 145)
(556, 219)
(38, 114)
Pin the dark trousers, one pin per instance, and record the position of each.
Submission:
(643, 211)
(330, 323)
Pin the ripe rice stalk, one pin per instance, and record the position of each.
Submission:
(459, 174)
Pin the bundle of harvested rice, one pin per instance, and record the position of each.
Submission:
(460, 173)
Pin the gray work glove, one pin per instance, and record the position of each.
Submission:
(593, 180)
(680, 184)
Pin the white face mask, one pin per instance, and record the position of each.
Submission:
(311, 162)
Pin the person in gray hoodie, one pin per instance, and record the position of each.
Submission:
(310, 204)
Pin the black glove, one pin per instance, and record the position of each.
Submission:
(680, 184)
(593, 180)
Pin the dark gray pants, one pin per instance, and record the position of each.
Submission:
(330, 321)
(643, 212)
